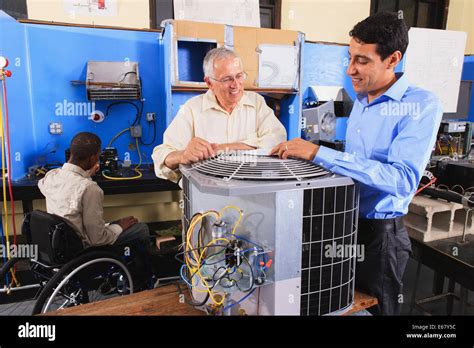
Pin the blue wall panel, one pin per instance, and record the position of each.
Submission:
(24, 143)
(289, 115)
(468, 74)
(58, 55)
(325, 65)
(179, 98)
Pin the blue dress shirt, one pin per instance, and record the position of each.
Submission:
(388, 144)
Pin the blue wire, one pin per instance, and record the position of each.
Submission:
(242, 299)
(183, 277)
(246, 240)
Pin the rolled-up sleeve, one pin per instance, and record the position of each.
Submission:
(406, 159)
(176, 137)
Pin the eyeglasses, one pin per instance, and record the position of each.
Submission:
(240, 77)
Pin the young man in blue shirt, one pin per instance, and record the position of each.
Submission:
(390, 134)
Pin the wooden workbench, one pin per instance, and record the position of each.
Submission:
(166, 301)
(160, 301)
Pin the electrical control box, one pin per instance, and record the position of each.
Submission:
(136, 131)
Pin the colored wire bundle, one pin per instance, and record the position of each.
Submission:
(5, 135)
(222, 265)
(432, 179)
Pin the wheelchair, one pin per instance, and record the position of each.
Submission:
(64, 273)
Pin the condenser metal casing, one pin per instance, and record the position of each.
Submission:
(305, 221)
(113, 81)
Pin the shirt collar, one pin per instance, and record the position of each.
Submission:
(210, 101)
(76, 169)
(395, 92)
(398, 89)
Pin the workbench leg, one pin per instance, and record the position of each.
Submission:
(438, 283)
(415, 287)
(463, 300)
(450, 297)
(27, 206)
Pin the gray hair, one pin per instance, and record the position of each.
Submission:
(217, 54)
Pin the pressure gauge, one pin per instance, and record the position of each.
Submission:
(3, 62)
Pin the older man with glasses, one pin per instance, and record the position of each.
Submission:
(225, 118)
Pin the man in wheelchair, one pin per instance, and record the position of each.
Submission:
(72, 194)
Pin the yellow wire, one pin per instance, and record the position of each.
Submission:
(189, 245)
(4, 186)
(204, 282)
(190, 249)
(139, 154)
(5, 209)
(238, 220)
(117, 135)
(127, 178)
(139, 173)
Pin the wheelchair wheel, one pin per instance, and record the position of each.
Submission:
(21, 281)
(91, 277)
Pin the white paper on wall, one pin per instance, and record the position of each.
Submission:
(434, 61)
(90, 7)
(277, 66)
(232, 12)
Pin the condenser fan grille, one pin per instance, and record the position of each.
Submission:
(245, 167)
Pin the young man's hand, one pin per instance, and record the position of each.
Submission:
(298, 148)
(127, 222)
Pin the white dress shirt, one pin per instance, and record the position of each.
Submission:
(71, 194)
(251, 122)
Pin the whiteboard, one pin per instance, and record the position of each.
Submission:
(277, 66)
(434, 61)
(232, 12)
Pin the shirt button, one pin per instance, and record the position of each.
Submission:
(358, 131)
(366, 109)
(354, 153)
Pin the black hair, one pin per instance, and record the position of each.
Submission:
(84, 145)
(387, 30)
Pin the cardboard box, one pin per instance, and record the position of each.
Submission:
(245, 42)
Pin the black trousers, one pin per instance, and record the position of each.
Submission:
(387, 248)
